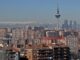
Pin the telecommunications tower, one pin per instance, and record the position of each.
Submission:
(57, 15)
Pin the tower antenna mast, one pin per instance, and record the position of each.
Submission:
(57, 15)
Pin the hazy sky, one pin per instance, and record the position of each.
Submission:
(42, 11)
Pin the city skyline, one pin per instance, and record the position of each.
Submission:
(41, 11)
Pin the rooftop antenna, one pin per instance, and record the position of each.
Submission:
(57, 15)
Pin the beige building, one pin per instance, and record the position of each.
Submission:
(29, 54)
(18, 36)
(72, 42)
(3, 32)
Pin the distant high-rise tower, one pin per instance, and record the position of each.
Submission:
(57, 15)
(74, 25)
(71, 24)
(65, 25)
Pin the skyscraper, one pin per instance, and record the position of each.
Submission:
(65, 25)
(71, 24)
(74, 25)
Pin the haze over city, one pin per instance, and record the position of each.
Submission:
(38, 11)
(39, 30)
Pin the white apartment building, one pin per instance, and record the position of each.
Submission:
(72, 42)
